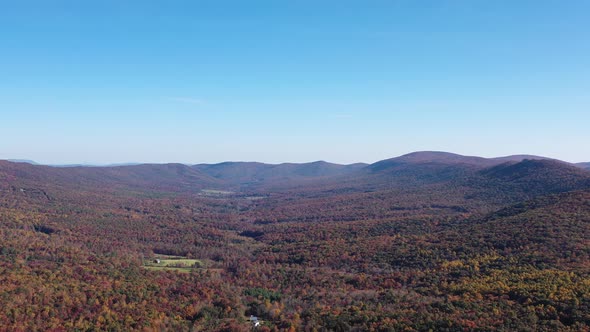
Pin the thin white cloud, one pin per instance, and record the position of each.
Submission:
(342, 116)
(187, 100)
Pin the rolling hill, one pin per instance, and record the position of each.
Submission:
(446, 184)
(446, 158)
(163, 177)
(423, 169)
(425, 241)
(252, 173)
(448, 175)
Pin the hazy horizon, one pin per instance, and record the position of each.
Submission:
(205, 82)
(126, 163)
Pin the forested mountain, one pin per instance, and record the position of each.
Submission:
(23, 161)
(251, 173)
(170, 177)
(418, 168)
(540, 176)
(425, 241)
(446, 158)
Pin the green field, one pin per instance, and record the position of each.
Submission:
(167, 268)
(255, 198)
(211, 192)
(172, 263)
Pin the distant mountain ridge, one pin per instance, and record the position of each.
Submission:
(538, 177)
(253, 172)
(170, 177)
(512, 167)
(32, 162)
(26, 161)
(439, 157)
(522, 175)
(326, 167)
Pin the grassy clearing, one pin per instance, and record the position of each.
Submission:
(183, 262)
(172, 263)
(255, 198)
(212, 192)
(169, 268)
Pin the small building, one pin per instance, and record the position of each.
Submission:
(254, 321)
(157, 261)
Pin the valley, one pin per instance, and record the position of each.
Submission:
(426, 241)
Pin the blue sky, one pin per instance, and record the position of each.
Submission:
(292, 81)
